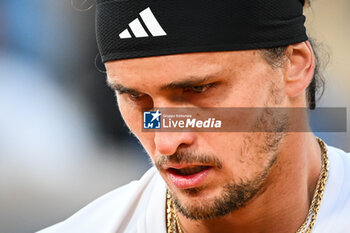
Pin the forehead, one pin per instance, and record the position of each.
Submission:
(168, 68)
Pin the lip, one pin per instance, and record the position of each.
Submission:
(183, 165)
(187, 181)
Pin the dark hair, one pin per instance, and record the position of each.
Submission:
(276, 57)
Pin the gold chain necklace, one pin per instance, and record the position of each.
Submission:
(320, 187)
(173, 223)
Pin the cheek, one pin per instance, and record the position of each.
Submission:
(133, 118)
(239, 153)
(130, 114)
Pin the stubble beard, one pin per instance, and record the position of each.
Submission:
(236, 195)
(233, 195)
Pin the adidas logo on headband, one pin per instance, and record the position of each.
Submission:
(127, 29)
(138, 30)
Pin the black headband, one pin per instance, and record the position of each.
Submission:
(143, 28)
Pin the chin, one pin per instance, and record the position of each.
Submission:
(201, 204)
(198, 203)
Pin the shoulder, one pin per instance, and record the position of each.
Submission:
(118, 211)
(335, 206)
(339, 174)
(339, 167)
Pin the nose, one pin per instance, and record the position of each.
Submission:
(167, 143)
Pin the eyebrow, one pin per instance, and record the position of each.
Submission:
(191, 81)
(120, 88)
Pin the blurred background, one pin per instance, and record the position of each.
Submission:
(62, 140)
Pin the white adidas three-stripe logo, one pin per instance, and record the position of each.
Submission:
(138, 30)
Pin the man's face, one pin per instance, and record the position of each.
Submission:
(209, 174)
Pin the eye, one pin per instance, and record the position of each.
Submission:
(135, 98)
(199, 89)
(132, 96)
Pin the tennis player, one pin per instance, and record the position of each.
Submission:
(217, 54)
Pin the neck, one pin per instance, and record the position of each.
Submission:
(284, 204)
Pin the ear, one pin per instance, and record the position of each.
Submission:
(301, 68)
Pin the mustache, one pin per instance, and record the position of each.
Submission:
(188, 158)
